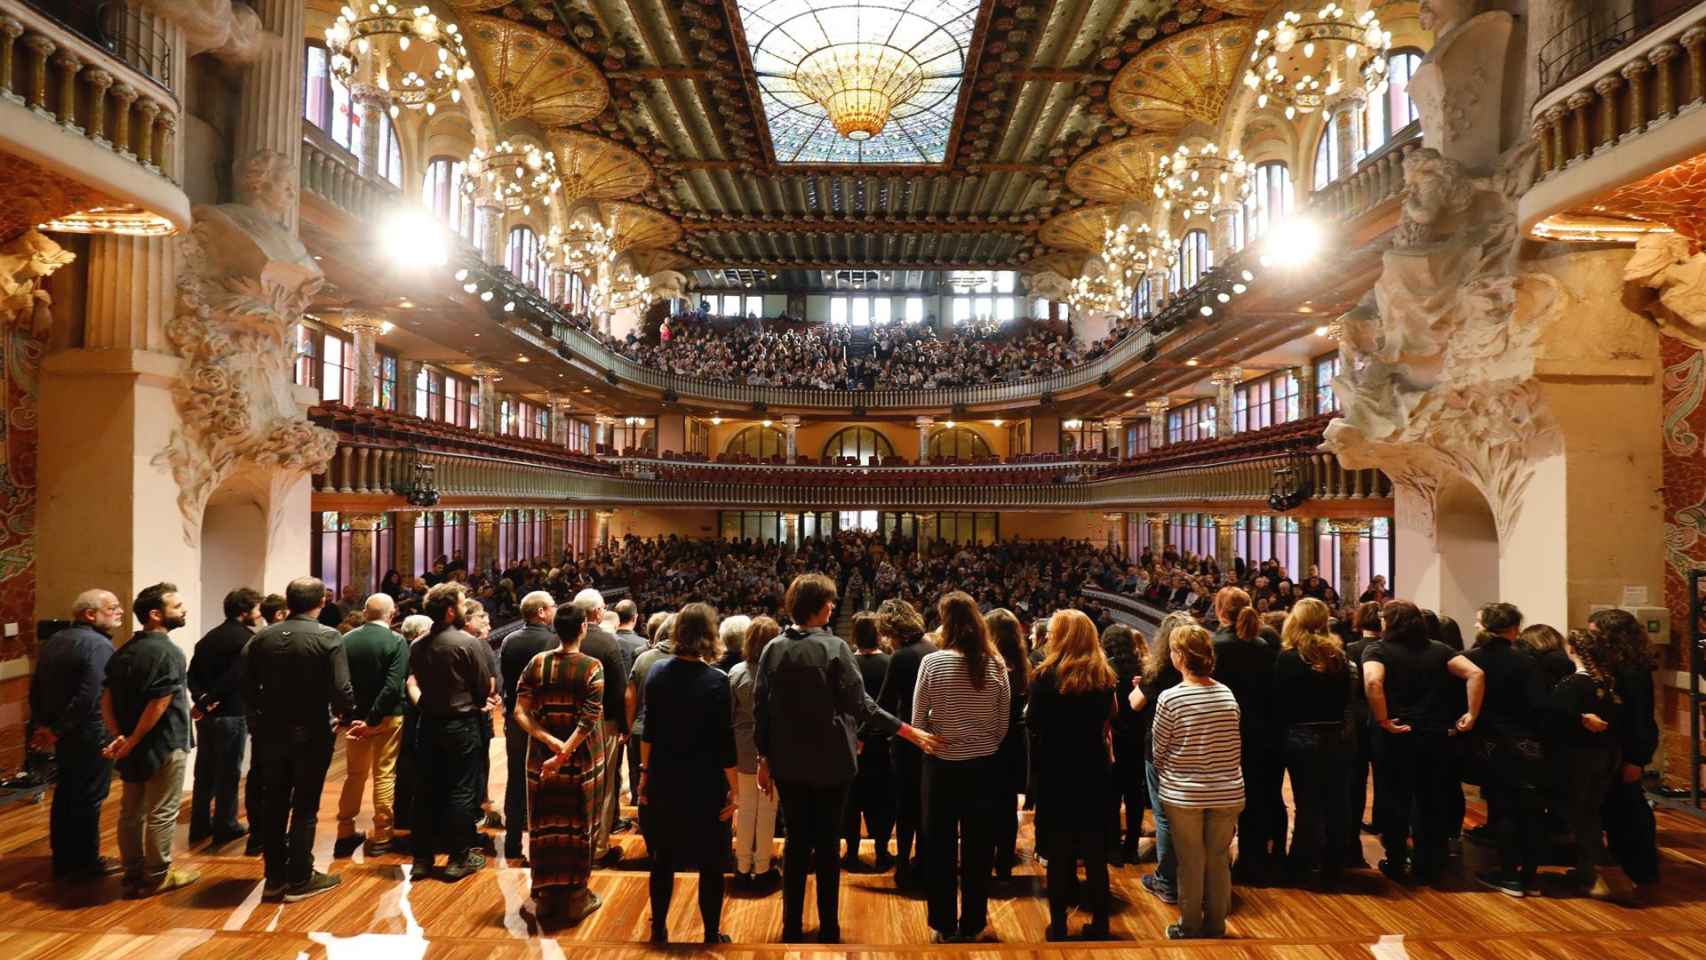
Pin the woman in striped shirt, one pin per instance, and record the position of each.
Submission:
(962, 699)
(1197, 758)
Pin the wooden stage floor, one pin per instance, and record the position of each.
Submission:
(378, 915)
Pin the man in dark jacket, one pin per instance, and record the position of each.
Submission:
(450, 680)
(65, 714)
(221, 729)
(538, 610)
(378, 666)
(601, 645)
(295, 678)
(809, 702)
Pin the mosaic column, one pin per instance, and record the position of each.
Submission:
(1157, 533)
(487, 380)
(1114, 436)
(485, 524)
(1225, 540)
(1308, 399)
(1157, 409)
(602, 532)
(1226, 382)
(364, 331)
(1350, 557)
(363, 527)
(791, 431)
(924, 424)
(556, 533)
(403, 542)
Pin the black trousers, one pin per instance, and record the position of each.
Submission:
(813, 845)
(252, 786)
(959, 811)
(1261, 824)
(1412, 780)
(1516, 816)
(1004, 830)
(448, 754)
(661, 884)
(515, 788)
(408, 776)
(1589, 773)
(74, 822)
(1356, 792)
(218, 768)
(1131, 792)
(1318, 757)
(293, 762)
(1064, 848)
(1630, 830)
(634, 768)
(908, 777)
(871, 798)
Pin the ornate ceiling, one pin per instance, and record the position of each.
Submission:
(1044, 83)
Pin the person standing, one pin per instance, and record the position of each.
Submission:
(872, 797)
(221, 729)
(146, 705)
(1159, 676)
(65, 714)
(1588, 755)
(634, 696)
(557, 706)
(1311, 700)
(808, 702)
(601, 645)
(1070, 709)
(537, 635)
(1630, 830)
(632, 644)
(1124, 650)
(1012, 761)
(295, 678)
(755, 819)
(452, 678)
(901, 625)
(1508, 752)
(414, 627)
(687, 772)
(378, 668)
(1199, 765)
(273, 610)
(1244, 664)
(962, 700)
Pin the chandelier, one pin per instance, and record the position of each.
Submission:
(633, 291)
(1306, 84)
(1132, 255)
(1202, 181)
(513, 175)
(858, 84)
(582, 246)
(373, 48)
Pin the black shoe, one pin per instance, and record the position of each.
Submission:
(494, 820)
(660, 936)
(1509, 886)
(1159, 890)
(254, 847)
(611, 857)
(100, 869)
(788, 936)
(345, 847)
(852, 864)
(1176, 932)
(829, 935)
(768, 878)
(378, 848)
(223, 837)
(316, 884)
(1396, 872)
(711, 938)
(274, 892)
(580, 908)
(421, 869)
(463, 866)
(485, 843)
(1054, 933)
(884, 864)
(198, 837)
(623, 825)
(937, 936)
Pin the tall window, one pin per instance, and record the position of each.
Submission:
(521, 255)
(1195, 259)
(859, 314)
(962, 310)
(326, 104)
(1193, 421)
(385, 385)
(1326, 368)
(337, 369)
(307, 355)
(1265, 401)
(1389, 114)
(838, 311)
(958, 443)
(754, 307)
(864, 444)
(1327, 168)
(1269, 200)
(881, 311)
(760, 443)
(1375, 556)
(914, 309)
(443, 192)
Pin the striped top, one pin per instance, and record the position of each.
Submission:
(1197, 746)
(971, 722)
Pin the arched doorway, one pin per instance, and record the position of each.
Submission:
(1468, 541)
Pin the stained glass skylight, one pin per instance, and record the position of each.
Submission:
(935, 33)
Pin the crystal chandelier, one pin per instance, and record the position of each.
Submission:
(1093, 292)
(377, 48)
(1132, 255)
(1202, 181)
(635, 291)
(1306, 84)
(582, 246)
(858, 84)
(513, 175)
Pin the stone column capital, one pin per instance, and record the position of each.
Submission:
(1664, 53)
(1225, 521)
(11, 27)
(925, 423)
(1634, 68)
(604, 420)
(484, 372)
(604, 515)
(485, 517)
(98, 78)
(124, 93)
(1578, 100)
(1351, 526)
(148, 108)
(1113, 423)
(1607, 85)
(362, 522)
(365, 321)
(1157, 407)
(1227, 375)
(791, 421)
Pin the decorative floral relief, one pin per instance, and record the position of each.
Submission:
(1686, 380)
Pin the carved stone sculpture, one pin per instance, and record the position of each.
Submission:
(1440, 17)
(244, 283)
(668, 285)
(1049, 285)
(230, 31)
(1673, 282)
(25, 262)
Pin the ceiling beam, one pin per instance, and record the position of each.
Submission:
(852, 226)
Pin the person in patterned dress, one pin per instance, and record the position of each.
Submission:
(559, 703)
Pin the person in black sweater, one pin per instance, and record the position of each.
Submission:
(1507, 753)
(1364, 631)
(1244, 663)
(216, 690)
(1312, 691)
(1409, 681)
(1013, 759)
(901, 625)
(1545, 646)
(1124, 649)
(873, 793)
(1629, 826)
(1585, 715)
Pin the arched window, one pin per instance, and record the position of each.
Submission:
(760, 443)
(958, 443)
(1393, 112)
(1269, 200)
(521, 256)
(327, 104)
(1195, 258)
(1327, 167)
(868, 445)
(390, 152)
(442, 190)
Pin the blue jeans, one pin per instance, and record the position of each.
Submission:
(1166, 861)
(218, 768)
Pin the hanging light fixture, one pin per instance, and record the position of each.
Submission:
(859, 84)
(1201, 181)
(1132, 255)
(514, 175)
(1330, 47)
(407, 55)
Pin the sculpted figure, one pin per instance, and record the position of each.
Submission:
(1664, 265)
(1440, 17)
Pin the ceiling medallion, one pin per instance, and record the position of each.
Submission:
(859, 84)
(1183, 79)
(1120, 171)
(1203, 181)
(593, 168)
(1302, 63)
(407, 56)
(532, 75)
(515, 175)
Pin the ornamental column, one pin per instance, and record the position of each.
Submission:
(491, 222)
(790, 431)
(924, 424)
(408, 371)
(485, 539)
(363, 527)
(602, 423)
(1308, 548)
(487, 380)
(1225, 541)
(1157, 410)
(364, 329)
(1157, 533)
(1350, 135)
(269, 110)
(1223, 218)
(1114, 436)
(1350, 557)
(559, 413)
(556, 533)
(403, 542)
(370, 107)
(1226, 382)
(602, 532)
(1308, 401)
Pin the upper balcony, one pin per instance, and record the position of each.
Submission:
(1608, 86)
(89, 111)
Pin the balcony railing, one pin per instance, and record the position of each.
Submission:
(332, 174)
(1378, 178)
(1598, 34)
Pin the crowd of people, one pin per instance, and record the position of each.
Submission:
(720, 724)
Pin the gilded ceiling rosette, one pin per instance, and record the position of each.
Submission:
(634, 227)
(1083, 230)
(1187, 77)
(1122, 171)
(1242, 8)
(593, 168)
(535, 76)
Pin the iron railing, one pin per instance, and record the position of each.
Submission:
(1597, 35)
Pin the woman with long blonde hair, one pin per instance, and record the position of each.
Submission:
(1312, 693)
(1071, 707)
(1159, 676)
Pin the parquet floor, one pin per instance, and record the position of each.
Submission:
(377, 914)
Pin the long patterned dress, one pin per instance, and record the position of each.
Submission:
(563, 692)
